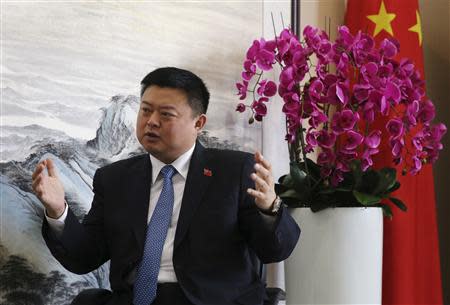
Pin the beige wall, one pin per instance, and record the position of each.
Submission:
(436, 33)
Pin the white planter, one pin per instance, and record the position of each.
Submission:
(338, 259)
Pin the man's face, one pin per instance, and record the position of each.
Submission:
(166, 126)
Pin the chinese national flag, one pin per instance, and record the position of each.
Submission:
(411, 267)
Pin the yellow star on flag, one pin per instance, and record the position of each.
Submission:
(417, 28)
(382, 20)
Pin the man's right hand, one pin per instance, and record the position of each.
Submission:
(48, 188)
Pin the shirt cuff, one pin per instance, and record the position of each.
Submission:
(57, 224)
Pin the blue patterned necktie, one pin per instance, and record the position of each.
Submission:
(147, 277)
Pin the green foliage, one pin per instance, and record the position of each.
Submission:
(23, 298)
(304, 187)
(20, 284)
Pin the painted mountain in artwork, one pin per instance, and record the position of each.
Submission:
(27, 268)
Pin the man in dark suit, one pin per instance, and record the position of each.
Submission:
(182, 224)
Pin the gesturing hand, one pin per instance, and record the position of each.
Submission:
(265, 188)
(48, 188)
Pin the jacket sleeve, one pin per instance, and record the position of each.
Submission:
(82, 247)
(272, 241)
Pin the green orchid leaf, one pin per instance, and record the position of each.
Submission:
(395, 187)
(343, 189)
(326, 191)
(330, 190)
(299, 178)
(387, 211)
(291, 193)
(390, 174)
(279, 188)
(281, 179)
(293, 203)
(388, 177)
(369, 182)
(287, 181)
(366, 199)
(345, 199)
(313, 168)
(356, 171)
(398, 203)
(319, 206)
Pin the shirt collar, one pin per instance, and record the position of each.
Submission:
(181, 164)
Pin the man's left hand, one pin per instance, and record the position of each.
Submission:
(264, 191)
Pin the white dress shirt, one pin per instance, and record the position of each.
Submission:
(166, 271)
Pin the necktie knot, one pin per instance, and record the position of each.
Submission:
(168, 171)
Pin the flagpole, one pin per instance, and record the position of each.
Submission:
(295, 16)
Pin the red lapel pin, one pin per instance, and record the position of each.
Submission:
(207, 172)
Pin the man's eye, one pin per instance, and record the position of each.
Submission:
(166, 114)
(145, 110)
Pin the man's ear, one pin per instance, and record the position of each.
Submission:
(200, 122)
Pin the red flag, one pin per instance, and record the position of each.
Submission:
(411, 266)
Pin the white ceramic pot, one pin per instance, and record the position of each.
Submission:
(338, 259)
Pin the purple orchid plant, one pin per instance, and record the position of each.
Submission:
(332, 93)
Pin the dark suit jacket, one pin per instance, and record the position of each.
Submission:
(219, 229)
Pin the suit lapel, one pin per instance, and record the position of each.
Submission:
(139, 182)
(197, 182)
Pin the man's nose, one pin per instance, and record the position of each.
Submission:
(153, 119)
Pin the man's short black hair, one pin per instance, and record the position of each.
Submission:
(191, 84)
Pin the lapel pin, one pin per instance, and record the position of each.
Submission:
(207, 172)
